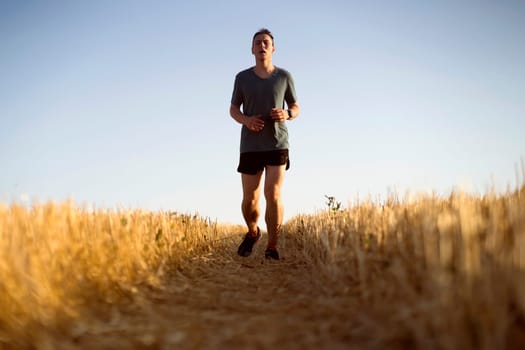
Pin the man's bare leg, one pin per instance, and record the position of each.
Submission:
(250, 200)
(274, 207)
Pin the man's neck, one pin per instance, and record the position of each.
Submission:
(264, 68)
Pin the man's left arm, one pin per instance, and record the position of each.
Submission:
(281, 115)
(293, 111)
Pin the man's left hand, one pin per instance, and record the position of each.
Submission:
(279, 115)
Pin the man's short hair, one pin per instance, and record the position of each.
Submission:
(263, 31)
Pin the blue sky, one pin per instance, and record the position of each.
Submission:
(125, 103)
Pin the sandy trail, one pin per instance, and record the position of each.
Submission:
(225, 301)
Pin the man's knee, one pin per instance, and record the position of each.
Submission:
(272, 195)
(250, 201)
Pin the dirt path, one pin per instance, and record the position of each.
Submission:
(225, 301)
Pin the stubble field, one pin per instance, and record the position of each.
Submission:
(419, 273)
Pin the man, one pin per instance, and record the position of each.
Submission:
(262, 91)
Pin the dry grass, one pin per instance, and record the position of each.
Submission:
(425, 273)
(429, 273)
(60, 263)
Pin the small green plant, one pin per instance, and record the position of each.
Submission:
(333, 205)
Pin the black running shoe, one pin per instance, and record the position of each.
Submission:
(246, 247)
(271, 254)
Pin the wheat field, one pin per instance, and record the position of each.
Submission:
(423, 272)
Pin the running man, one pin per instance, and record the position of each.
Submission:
(262, 91)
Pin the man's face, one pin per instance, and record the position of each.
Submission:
(262, 46)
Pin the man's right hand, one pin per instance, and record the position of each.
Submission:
(254, 123)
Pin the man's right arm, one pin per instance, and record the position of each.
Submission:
(235, 112)
(254, 123)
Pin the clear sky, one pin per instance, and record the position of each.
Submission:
(125, 103)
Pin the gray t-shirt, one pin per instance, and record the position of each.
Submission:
(259, 96)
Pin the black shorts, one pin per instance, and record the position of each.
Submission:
(253, 162)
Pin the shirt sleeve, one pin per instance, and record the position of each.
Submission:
(237, 97)
(290, 95)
